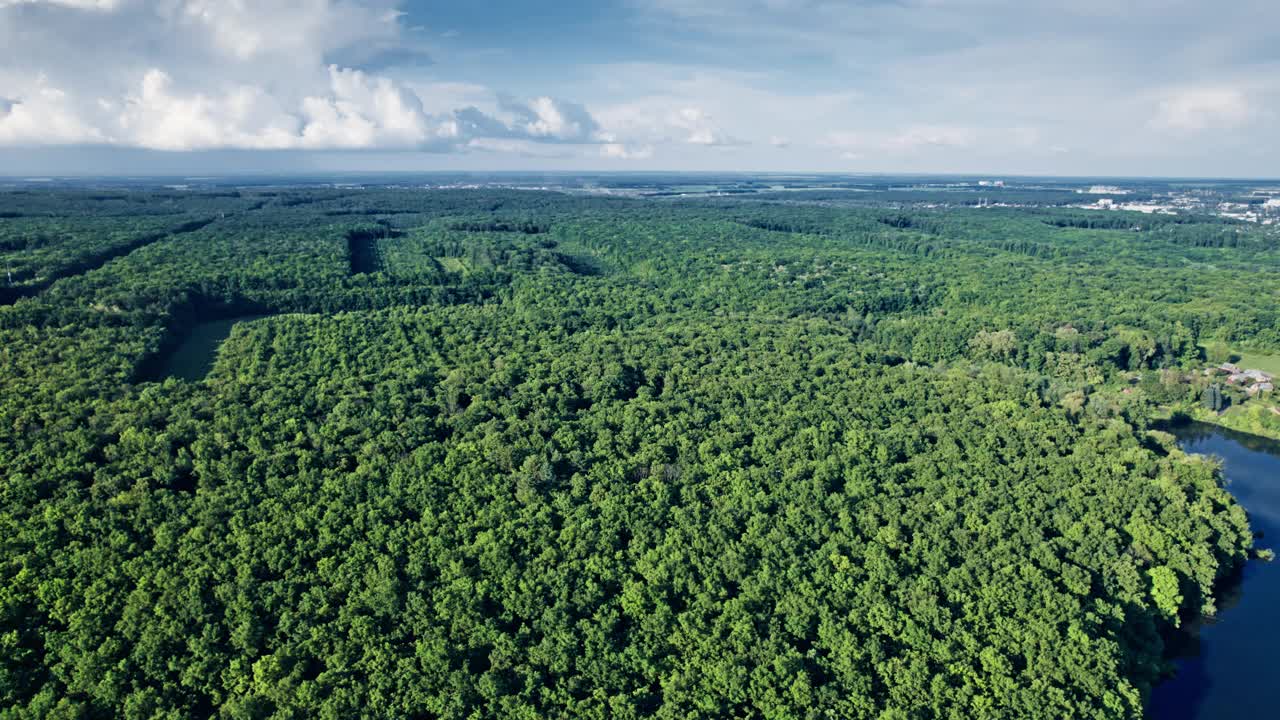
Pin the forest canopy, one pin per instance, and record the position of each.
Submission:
(526, 454)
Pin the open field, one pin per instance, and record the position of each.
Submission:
(1247, 359)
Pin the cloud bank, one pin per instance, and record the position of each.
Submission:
(222, 74)
(1032, 86)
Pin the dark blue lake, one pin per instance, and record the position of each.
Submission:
(1228, 668)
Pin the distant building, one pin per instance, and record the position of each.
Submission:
(1255, 381)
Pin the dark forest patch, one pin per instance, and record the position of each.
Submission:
(194, 336)
(786, 226)
(580, 265)
(362, 247)
(368, 212)
(1095, 223)
(502, 226)
(908, 222)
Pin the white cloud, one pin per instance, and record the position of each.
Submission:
(301, 30)
(699, 129)
(929, 85)
(364, 111)
(550, 119)
(445, 97)
(158, 117)
(1203, 108)
(217, 74)
(42, 115)
(358, 111)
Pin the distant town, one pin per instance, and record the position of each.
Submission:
(1261, 205)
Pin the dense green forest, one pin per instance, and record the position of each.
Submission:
(533, 455)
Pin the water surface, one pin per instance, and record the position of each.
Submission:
(1229, 667)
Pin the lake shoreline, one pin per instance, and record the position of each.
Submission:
(1183, 415)
(1220, 661)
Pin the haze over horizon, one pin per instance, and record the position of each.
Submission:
(1174, 88)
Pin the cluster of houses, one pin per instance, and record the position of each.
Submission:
(1253, 381)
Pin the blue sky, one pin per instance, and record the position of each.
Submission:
(1091, 87)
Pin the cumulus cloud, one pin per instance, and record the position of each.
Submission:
(699, 128)
(159, 117)
(540, 119)
(1203, 108)
(363, 111)
(355, 111)
(219, 74)
(550, 119)
(42, 116)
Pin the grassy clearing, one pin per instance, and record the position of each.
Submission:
(1246, 359)
(416, 253)
(1265, 363)
(452, 264)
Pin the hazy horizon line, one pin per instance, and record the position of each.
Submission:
(41, 177)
